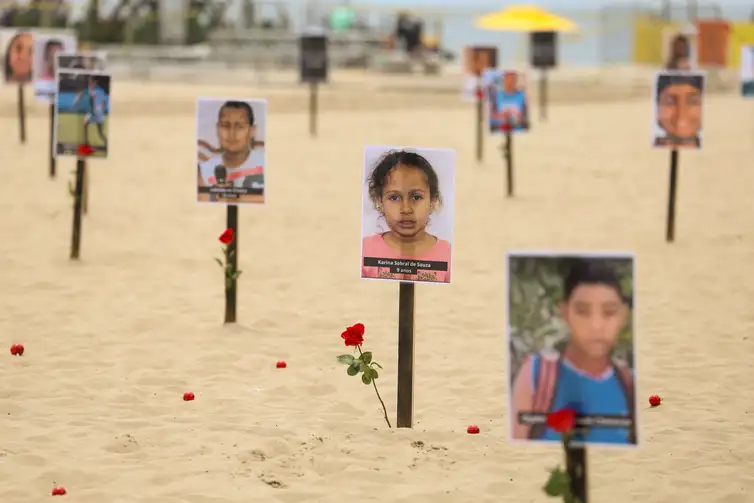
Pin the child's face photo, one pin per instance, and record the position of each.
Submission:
(680, 110)
(19, 57)
(678, 99)
(595, 315)
(571, 344)
(234, 131)
(406, 202)
(510, 82)
(407, 213)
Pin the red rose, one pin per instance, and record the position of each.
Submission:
(561, 420)
(85, 150)
(354, 335)
(506, 127)
(655, 400)
(226, 237)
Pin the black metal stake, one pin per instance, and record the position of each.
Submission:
(52, 136)
(231, 291)
(406, 355)
(479, 124)
(21, 114)
(576, 467)
(670, 229)
(543, 95)
(313, 108)
(508, 156)
(77, 197)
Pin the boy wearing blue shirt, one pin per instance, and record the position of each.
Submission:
(584, 376)
(508, 104)
(96, 104)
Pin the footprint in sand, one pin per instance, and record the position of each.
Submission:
(123, 444)
(272, 480)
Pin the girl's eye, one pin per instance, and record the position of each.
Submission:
(417, 197)
(394, 197)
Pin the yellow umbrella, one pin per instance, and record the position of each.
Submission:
(525, 18)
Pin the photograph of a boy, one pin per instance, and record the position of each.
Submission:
(82, 111)
(571, 342)
(747, 71)
(677, 100)
(17, 47)
(506, 99)
(407, 211)
(680, 51)
(231, 149)
(46, 50)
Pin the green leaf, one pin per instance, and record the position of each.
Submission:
(374, 373)
(375, 364)
(362, 366)
(345, 359)
(366, 378)
(366, 357)
(353, 369)
(557, 484)
(237, 274)
(219, 262)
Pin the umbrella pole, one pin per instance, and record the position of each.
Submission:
(543, 95)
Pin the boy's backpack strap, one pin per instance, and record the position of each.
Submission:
(626, 380)
(544, 392)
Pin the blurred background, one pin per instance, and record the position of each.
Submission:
(263, 34)
(536, 289)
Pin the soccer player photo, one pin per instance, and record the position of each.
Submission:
(82, 112)
(230, 157)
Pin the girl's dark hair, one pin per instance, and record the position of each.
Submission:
(591, 272)
(394, 158)
(695, 81)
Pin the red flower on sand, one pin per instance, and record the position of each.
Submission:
(353, 336)
(231, 274)
(85, 150)
(226, 237)
(655, 400)
(562, 420)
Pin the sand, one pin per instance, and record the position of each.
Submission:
(113, 341)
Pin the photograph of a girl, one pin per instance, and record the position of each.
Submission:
(45, 60)
(678, 109)
(17, 47)
(230, 157)
(407, 214)
(571, 344)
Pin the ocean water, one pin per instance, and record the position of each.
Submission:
(606, 28)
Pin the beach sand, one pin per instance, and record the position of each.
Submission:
(113, 341)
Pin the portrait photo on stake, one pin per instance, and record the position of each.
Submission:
(46, 50)
(18, 50)
(747, 71)
(408, 197)
(82, 112)
(505, 92)
(230, 155)
(677, 104)
(571, 345)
